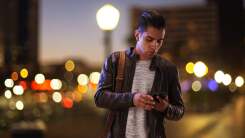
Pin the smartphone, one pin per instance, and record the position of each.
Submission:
(161, 95)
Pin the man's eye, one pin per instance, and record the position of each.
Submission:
(148, 39)
(159, 41)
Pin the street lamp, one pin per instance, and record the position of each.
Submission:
(107, 19)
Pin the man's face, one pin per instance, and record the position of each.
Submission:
(149, 42)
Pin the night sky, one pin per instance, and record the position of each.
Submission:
(68, 28)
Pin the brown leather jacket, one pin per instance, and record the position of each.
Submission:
(166, 81)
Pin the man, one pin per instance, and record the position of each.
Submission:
(137, 113)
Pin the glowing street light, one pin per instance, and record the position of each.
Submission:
(107, 19)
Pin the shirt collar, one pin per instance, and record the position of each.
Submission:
(155, 61)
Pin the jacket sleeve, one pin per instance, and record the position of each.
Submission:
(175, 110)
(105, 96)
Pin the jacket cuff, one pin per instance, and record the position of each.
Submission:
(132, 99)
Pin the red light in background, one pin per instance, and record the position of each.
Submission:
(93, 86)
(23, 84)
(67, 103)
(41, 87)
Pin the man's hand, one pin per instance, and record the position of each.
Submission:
(143, 101)
(162, 104)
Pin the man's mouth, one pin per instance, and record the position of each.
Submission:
(151, 52)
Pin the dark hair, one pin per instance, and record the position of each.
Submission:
(151, 18)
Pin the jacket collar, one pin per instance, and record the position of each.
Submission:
(130, 52)
(155, 61)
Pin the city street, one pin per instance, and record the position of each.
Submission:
(227, 123)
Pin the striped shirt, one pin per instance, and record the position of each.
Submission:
(142, 82)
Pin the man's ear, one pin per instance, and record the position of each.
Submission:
(137, 34)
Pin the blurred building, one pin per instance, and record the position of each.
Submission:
(213, 33)
(19, 35)
(231, 33)
(59, 70)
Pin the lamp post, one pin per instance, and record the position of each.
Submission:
(107, 19)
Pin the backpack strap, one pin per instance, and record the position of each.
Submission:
(119, 82)
(120, 71)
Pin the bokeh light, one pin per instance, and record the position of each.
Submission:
(18, 90)
(23, 84)
(67, 102)
(69, 65)
(15, 76)
(185, 85)
(219, 76)
(56, 84)
(196, 86)
(45, 86)
(212, 85)
(39, 78)
(24, 73)
(8, 94)
(57, 97)
(189, 67)
(200, 69)
(94, 77)
(227, 79)
(92, 86)
(19, 105)
(9, 83)
(82, 88)
(82, 79)
(239, 81)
